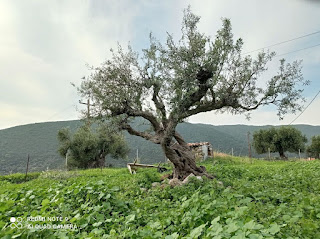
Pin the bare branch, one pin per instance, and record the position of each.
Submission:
(153, 138)
(159, 104)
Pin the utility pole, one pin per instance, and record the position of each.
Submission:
(249, 145)
(88, 109)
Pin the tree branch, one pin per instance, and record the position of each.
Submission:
(260, 102)
(132, 131)
(136, 113)
(202, 76)
(209, 106)
(146, 115)
(159, 104)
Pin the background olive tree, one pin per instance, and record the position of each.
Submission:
(314, 149)
(172, 81)
(280, 140)
(88, 148)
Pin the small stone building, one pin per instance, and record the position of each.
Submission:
(202, 150)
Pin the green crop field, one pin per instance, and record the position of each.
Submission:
(258, 199)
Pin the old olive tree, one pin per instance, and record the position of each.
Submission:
(172, 81)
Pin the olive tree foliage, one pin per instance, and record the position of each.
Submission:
(172, 81)
(280, 140)
(314, 149)
(88, 148)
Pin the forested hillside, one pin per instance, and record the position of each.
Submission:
(40, 141)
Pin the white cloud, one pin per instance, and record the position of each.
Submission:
(264, 23)
(45, 45)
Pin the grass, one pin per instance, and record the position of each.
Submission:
(258, 199)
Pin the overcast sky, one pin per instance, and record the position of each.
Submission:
(45, 45)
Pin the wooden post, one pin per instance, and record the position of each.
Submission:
(129, 167)
(27, 167)
(88, 109)
(269, 153)
(232, 152)
(249, 145)
(67, 160)
(299, 154)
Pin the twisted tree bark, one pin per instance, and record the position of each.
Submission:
(183, 159)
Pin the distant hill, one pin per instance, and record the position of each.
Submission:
(40, 141)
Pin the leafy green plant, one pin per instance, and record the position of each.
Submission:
(59, 174)
(258, 199)
(19, 177)
(147, 178)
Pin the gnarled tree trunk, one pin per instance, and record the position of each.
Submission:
(99, 161)
(282, 155)
(183, 159)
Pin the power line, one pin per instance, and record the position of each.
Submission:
(279, 43)
(298, 50)
(305, 108)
